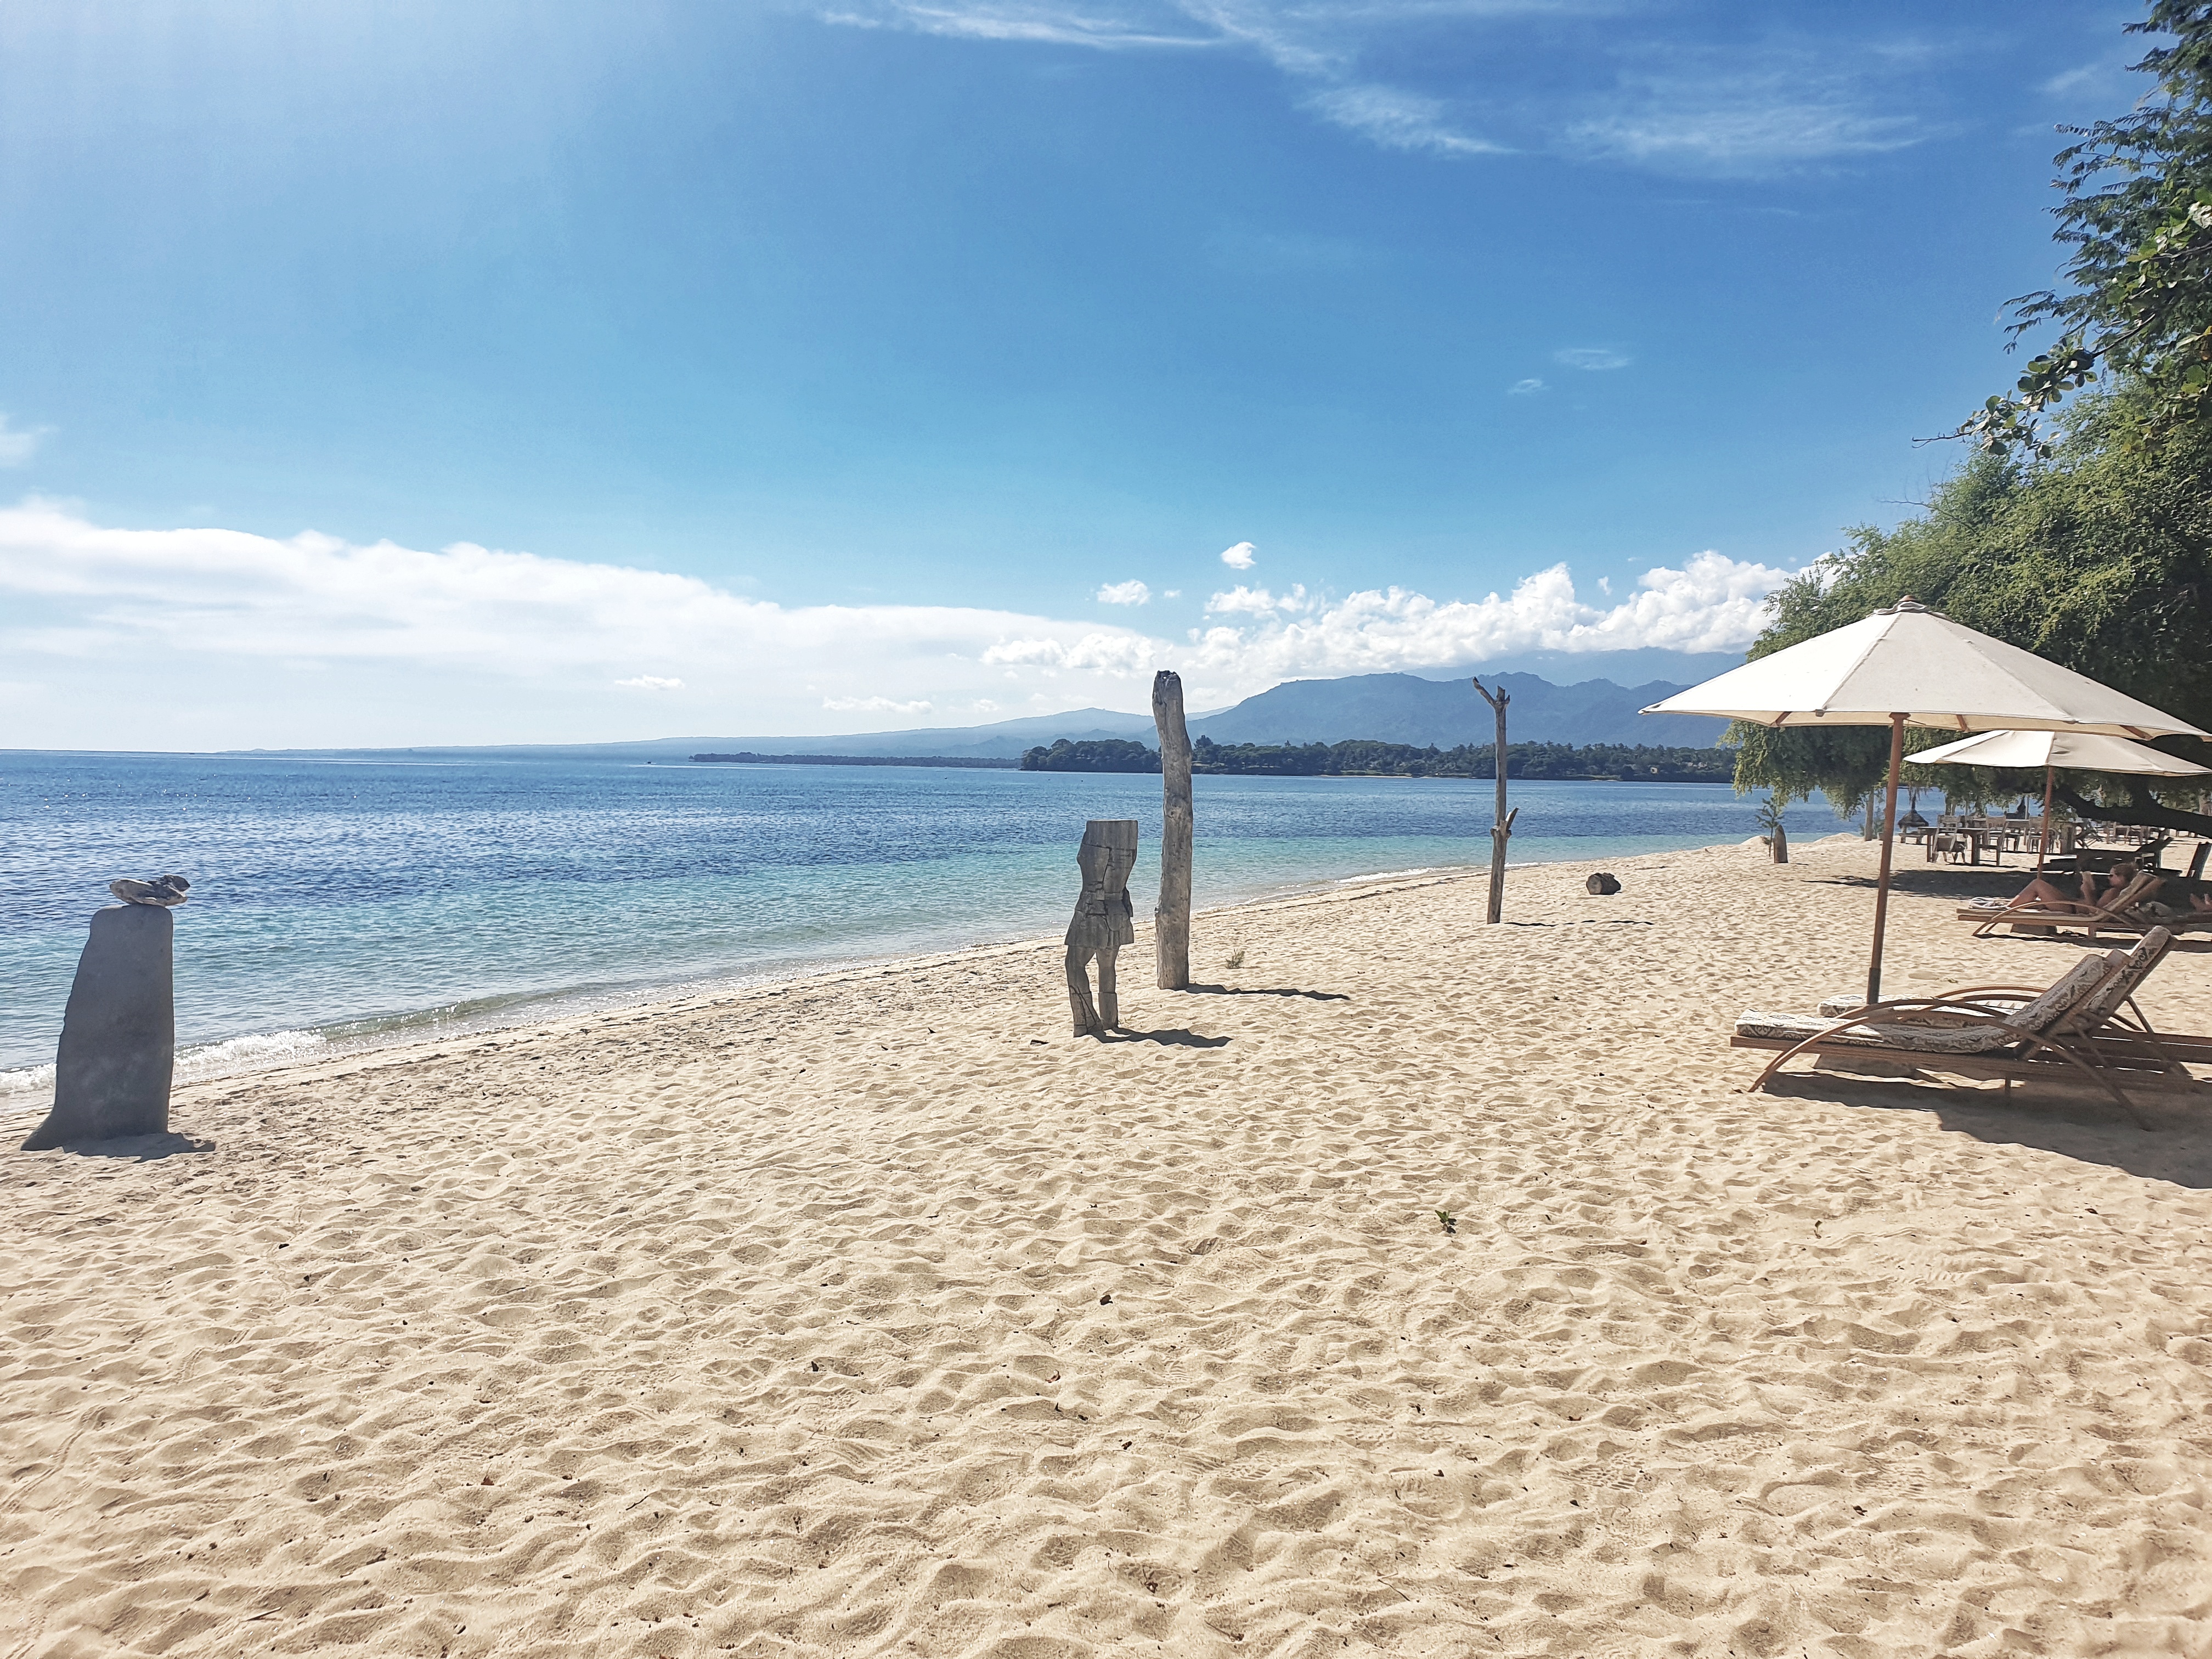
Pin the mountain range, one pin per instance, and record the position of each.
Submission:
(1390, 708)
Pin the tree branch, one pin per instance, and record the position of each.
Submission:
(2145, 809)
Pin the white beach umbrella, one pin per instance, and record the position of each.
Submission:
(2087, 751)
(1908, 665)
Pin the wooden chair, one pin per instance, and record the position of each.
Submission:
(2003, 1031)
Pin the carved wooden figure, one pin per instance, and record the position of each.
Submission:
(1103, 923)
(1171, 919)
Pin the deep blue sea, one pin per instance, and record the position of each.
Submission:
(344, 902)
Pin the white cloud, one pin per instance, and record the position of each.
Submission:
(1129, 592)
(1172, 593)
(18, 444)
(877, 706)
(1258, 602)
(1044, 22)
(1523, 388)
(1398, 119)
(1241, 557)
(178, 634)
(1654, 97)
(208, 638)
(1713, 603)
(1593, 358)
(1758, 112)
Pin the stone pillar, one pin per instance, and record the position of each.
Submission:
(118, 1042)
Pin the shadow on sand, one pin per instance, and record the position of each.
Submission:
(1177, 1039)
(1608, 922)
(1266, 991)
(140, 1149)
(2050, 1117)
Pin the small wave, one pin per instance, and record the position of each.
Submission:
(24, 1087)
(19, 1085)
(246, 1053)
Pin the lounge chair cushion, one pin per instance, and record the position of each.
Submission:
(2070, 988)
(2134, 965)
(1924, 1039)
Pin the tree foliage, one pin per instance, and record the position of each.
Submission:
(2137, 218)
(2099, 557)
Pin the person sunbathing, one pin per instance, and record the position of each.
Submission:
(2043, 894)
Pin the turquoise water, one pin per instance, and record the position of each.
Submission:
(341, 903)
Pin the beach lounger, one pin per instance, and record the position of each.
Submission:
(2119, 915)
(2003, 1031)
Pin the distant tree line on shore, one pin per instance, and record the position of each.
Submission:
(1364, 757)
(1562, 762)
(746, 757)
(1093, 755)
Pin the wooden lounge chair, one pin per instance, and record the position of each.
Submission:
(2119, 915)
(2004, 1032)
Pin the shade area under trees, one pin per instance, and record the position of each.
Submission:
(2083, 535)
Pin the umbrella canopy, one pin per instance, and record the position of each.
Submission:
(1908, 665)
(1936, 672)
(2088, 751)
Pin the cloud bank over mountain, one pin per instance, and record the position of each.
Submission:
(197, 637)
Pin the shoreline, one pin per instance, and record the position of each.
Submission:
(262, 1053)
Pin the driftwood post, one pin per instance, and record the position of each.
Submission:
(1171, 919)
(1103, 922)
(1501, 830)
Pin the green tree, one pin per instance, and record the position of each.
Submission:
(2099, 556)
(2138, 219)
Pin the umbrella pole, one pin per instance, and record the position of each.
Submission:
(1888, 841)
(2042, 842)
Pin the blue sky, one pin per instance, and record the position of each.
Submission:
(816, 367)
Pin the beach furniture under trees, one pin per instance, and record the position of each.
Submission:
(2087, 1023)
(2087, 751)
(1914, 666)
(1908, 665)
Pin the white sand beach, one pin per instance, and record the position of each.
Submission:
(877, 1315)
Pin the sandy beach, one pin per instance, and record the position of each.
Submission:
(876, 1313)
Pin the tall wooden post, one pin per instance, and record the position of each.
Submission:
(1501, 830)
(1171, 919)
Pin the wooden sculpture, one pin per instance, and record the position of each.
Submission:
(1171, 919)
(1103, 922)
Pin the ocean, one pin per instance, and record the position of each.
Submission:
(342, 903)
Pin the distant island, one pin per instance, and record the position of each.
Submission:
(747, 758)
(1093, 755)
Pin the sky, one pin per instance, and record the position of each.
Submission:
(422, 374)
